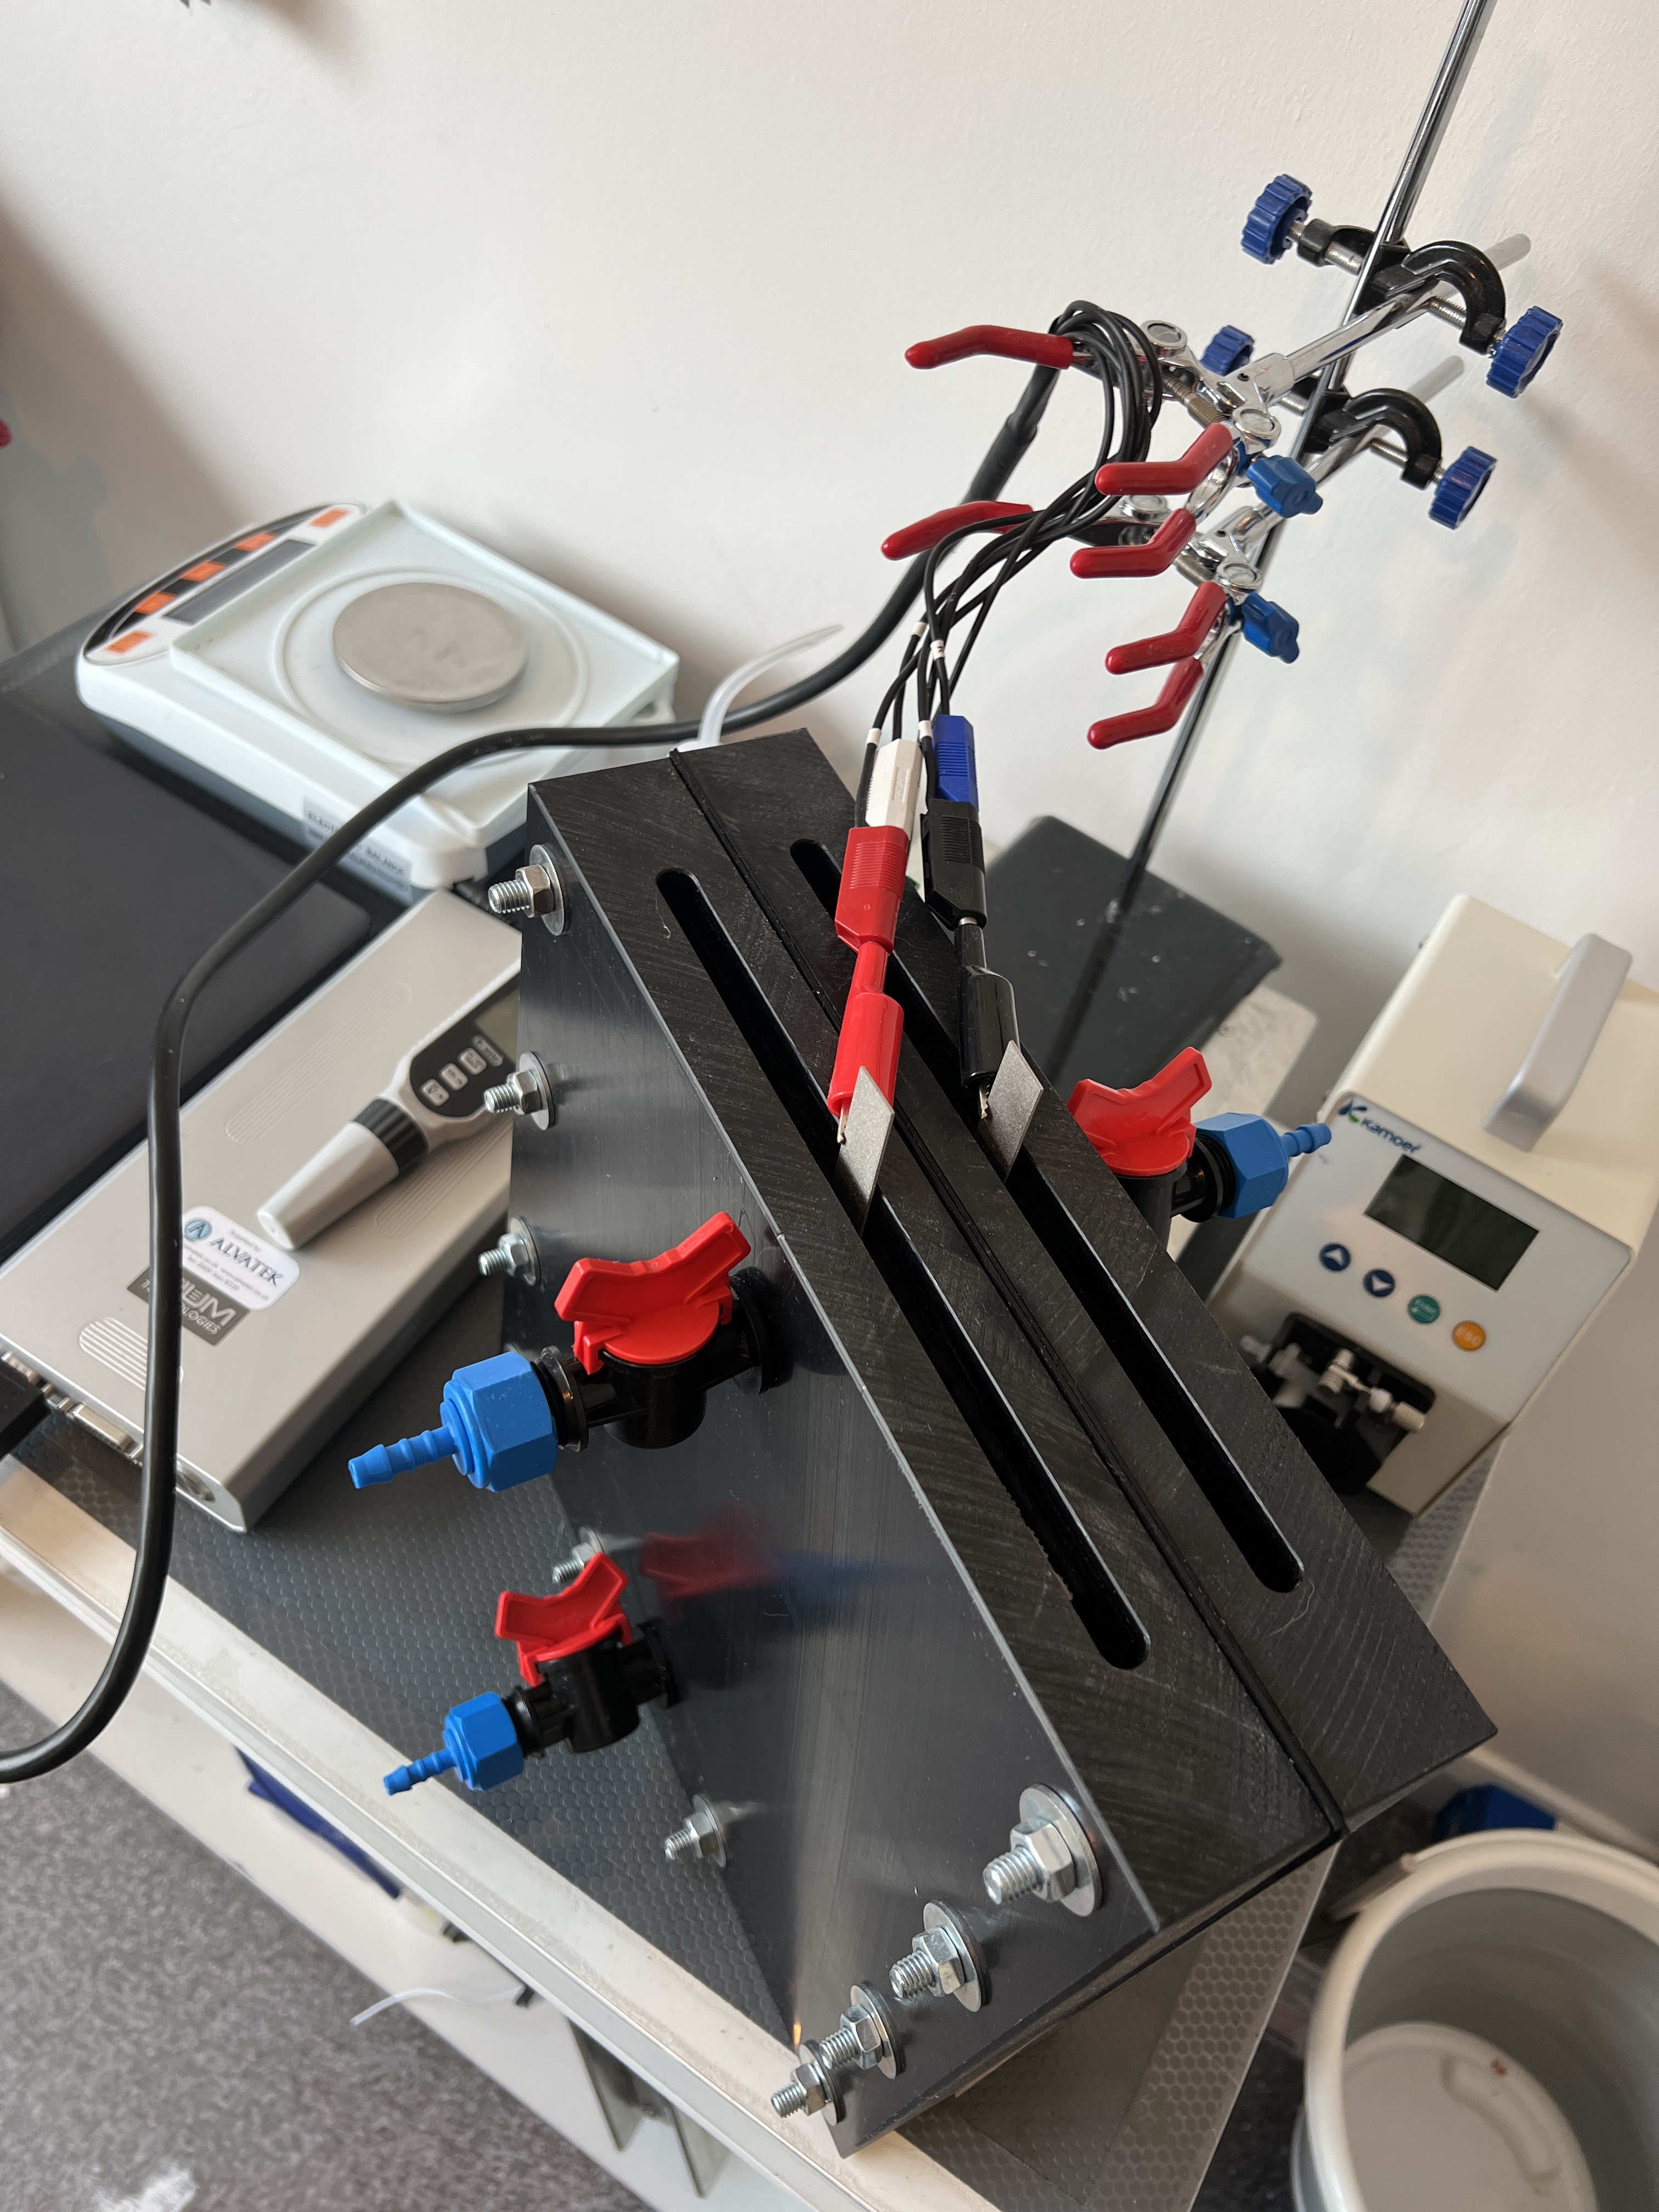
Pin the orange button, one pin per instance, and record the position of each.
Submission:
(1468, 1336)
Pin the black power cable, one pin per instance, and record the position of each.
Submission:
(157, 1495)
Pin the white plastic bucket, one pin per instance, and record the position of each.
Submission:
(1487, 2036)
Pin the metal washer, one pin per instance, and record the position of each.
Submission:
(430, 644)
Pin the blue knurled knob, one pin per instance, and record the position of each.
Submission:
(1461, 483)
(1285, 485)
(1522, 352)
(1269, 629)
(1268, 226)
(1230, 348)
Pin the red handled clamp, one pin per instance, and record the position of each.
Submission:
(1042, 348)
(1165, 711)
(649, 1313)
(1118, 480)
(867, 916)
(1180, 643)
(1160, 552)
(546, 1629)
(1147, 1131)
(922, 536)
(1176, 650)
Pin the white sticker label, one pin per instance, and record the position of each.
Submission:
(221, 1254)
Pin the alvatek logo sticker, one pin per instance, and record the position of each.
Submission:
(221, 1254)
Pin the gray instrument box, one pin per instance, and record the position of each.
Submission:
(278, 1346)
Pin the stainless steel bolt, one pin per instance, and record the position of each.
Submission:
(513, 1253)
(701, 1835)
(943, 1961)
(863, 2039)
(527, 1091)
(535, 890)
(532, 890)
(1049, 1856)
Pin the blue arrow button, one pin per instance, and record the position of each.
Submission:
(1380, 1283)
(1336, 1257)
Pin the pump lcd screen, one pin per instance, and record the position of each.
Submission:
(1467, 1232)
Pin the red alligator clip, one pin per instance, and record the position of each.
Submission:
(650, 1313)
(1151, 559)
(1201, 459)
(922, 536)
(548, 1628)
(1177, 644)
(1045, 349)
(1147, 1131)
(866, 915)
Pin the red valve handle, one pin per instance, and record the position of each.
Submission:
(1201, 459)
(548, 1628)
(1164, 714)
(1151, 559)
(1177, 644)
(1044, 349)
(922, 536)
(720, 1557)
(653, 1312)
(1147, 1131)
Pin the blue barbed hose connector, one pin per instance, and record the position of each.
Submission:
(497, 1427)
(1259, 1157)
(480, 1744)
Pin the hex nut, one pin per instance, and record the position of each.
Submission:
(811, 2080)
(1052, 1853)
(938, 1946)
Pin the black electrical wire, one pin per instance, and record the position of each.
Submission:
(1116, 352)
(157, 1495)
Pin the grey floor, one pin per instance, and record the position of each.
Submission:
(167, 2036)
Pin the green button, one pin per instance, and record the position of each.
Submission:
(1424, 1309)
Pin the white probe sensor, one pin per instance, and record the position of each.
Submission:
(436, 1096)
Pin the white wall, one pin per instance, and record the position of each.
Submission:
(625, 291)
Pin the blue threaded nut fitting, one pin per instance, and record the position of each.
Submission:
(480, 1744)
(1523, 350)
(953, 758)
(497, 1427)
(1230, 348)
(1259, 1156)
(1267, 227)
(1285, 485)
(1269, 629)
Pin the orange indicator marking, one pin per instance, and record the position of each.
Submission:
(153, 603)
(200, 572)
(133, 638)
(327, 521)
(258, 538)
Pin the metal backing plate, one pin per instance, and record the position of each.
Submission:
(433, 645)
